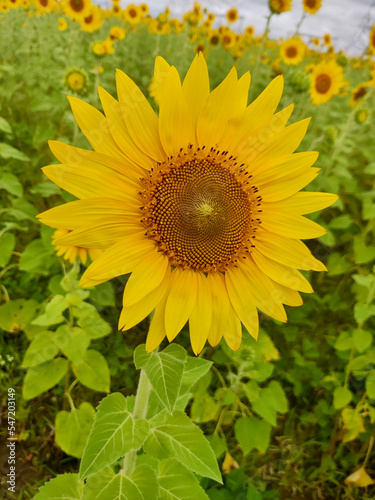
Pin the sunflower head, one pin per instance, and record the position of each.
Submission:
(199, 204)
(117, 33)
(360, 92)
(76, 80)
(62, 24)
(133, 14)
(326, 80)
(77, 9)
(292, 51)
(280, 6)
(312, 6)
(362, 115)
(232, 15)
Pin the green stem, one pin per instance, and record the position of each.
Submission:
(370, 445)
(299, 23)
(140, 411)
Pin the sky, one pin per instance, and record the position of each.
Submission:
(348, 21)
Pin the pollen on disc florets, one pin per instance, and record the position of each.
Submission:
(201, 209)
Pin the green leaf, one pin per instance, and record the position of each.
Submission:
(164, 371)
(140, 485)
(7, 244)
(362, 339)
(217, 444)
(35, 258)
(204, 408)
(344, 342)
(73, 342)
(178, 483)
(253, 493)
(53, 312)
(7, 151)
(93, 371)
(368, 209)
(5, 126)
(370, 385)
(45, 189)
(270, 401)
(178, 437)
(251, 432)
(353, 424)
(337, 264)
(341, 397)
(114, 433)
(194, 369)
(41, 349)
(72, 429)
(362, 253)
(16, 314)
(363, 312)
(90, 320)
(65, 486)
(43, 377)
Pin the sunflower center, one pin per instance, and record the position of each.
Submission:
(132, 13)
(77, 5)
(323, 83)
(361, 92)
(311, 3)
(43, 3)
(200, 213)
(291, 52)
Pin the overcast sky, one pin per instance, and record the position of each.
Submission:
(348, 21)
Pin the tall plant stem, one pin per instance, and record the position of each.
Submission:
(140, 411)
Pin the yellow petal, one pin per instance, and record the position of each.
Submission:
(213, 118)
(288, 296)
(134, 314)
(102, 236)
(120, 259)
(287, 251)
(276, 191)
(256, 116)
(88, 213)
(120, 134)
(94, 125)
(303, 203)
(161, 70)
(147, 276)
(291, 226)
(233, 331)
(180, 302)
(196, 89)
(200, 317)
(76, 157)
(141, 120)
(156, 333)
(173, 116)
(281, 143)
(261, 289)
(220, 307)
(242, 301)
(287, 276)
(93, 181)
(284, 167)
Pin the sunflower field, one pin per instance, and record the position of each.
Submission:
(165, 332)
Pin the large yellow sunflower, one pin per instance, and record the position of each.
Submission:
(326, 80)
(77, 9)
(280, 6)
(201, 204)
(312, 6)
(292, 51)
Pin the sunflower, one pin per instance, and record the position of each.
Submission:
(312, 6)
(249, 31)
(45, 6)
(200, 47)
(102, 48)
(279, 6)
(76, 80)
(292, 51)
(214, 37)
(326, 80)
(200, 204)
(372, 39)
(62, 25)
(93, 21)
(232, 15)
(144, 9)
(359, 92)
(327, 40)
(71, 253)
(228, 39)
(117, 33)
(77, 9)
(133, 14)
